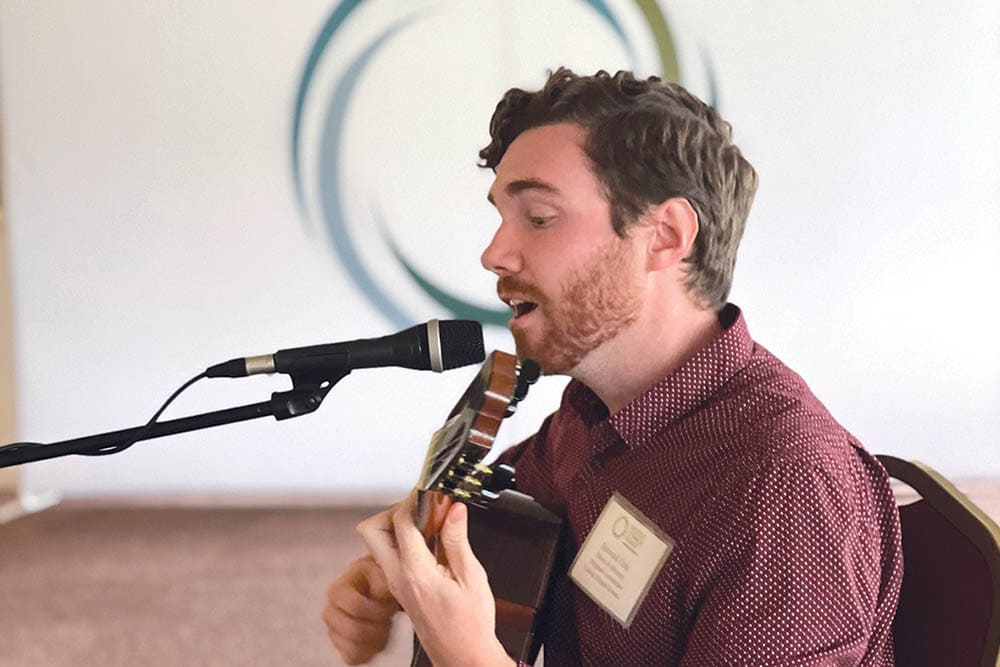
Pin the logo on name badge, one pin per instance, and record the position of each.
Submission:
(620, 559)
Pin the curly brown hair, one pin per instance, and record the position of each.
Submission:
(647, 141)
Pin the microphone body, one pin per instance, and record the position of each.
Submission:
(434, 345)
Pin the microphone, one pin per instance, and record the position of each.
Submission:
(435, 346)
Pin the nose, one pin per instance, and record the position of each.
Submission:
(502, 256)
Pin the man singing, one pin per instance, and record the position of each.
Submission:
(622, 203)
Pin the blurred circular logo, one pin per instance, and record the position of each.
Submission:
(390, 99)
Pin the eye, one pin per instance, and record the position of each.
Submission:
(537, 221)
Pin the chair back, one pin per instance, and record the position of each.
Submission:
(949, 605)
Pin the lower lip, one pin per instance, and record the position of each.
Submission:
(519, 320)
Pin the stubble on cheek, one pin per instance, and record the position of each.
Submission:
(596, 302)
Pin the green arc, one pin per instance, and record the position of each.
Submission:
(462, 309)
(333, 216)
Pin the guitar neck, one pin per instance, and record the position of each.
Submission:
(453, 471)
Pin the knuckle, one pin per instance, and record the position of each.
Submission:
(334, 591)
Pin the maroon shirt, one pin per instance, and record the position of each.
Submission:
(787, 535)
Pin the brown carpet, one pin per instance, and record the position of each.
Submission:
(154, 587)
(85, 586)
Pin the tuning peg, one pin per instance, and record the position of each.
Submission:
(471, 481)
(501, 479)
(527, 374)
(529, 370)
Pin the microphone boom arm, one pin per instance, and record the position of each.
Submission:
(306, 396)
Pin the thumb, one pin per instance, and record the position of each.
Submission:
(454, 538)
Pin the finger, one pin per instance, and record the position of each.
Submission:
(411, 543)
(455, 542)
(350, 631)
(356, 604)
(379, 534)
(349, 653)
(380, 521)
(357, 653)
(407, 507)
(378, 527)
(353, 630)
(362, 590)
(357, 640)
(381, 544)
(378, 585)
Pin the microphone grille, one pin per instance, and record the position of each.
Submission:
(461, 343)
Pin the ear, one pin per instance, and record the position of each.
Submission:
(674, 227)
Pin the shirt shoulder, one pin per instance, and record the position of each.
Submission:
(778, 417)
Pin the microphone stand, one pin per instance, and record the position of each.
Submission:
(306, 396)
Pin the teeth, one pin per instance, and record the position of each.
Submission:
(518, 306)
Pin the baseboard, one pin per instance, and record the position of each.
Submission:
(226, 500)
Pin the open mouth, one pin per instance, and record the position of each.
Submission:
(521, 308)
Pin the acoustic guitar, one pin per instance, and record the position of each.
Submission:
(513, 536)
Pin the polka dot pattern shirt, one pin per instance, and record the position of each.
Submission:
(787, 535)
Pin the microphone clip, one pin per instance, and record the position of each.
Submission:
(307, 393)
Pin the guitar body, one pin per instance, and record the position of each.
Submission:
(513, 537)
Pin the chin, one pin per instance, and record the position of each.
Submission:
(526, 350)
(551, 364)
(553, 352)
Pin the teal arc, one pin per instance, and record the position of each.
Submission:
(334, 219)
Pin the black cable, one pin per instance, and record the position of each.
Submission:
(114, 449)
(17, 446)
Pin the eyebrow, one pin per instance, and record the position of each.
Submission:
(516, 187)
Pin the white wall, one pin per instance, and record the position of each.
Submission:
(155, 228)
(8, 476)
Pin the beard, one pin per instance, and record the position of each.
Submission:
(596, 301)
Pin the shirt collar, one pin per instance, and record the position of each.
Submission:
(674, 396)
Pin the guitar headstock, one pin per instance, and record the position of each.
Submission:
(453, 465)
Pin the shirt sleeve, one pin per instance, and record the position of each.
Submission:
(796, 580)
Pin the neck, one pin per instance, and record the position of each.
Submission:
(657, 344)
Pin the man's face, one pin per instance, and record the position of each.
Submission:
(570, 281)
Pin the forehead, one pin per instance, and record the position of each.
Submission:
(552, 155)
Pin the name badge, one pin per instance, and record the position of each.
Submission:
(620, 559)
